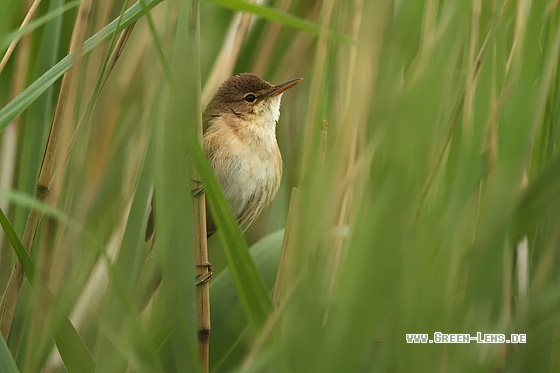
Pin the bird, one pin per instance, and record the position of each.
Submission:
(239, 140)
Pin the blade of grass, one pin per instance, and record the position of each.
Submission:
(34, 132)
(541, 198)
(31, 93)
(72, 349)
(15, 41)
(249, 285)
(22, 255)
(287, 254)
(275, 15)
(33, 25)
(174, 241)
(12, 38)
(25, 200)
(121, 313)
(228, 315)
(7, 363)
(45, 179)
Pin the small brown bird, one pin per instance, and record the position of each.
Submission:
(240, 143)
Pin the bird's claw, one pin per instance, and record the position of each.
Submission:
(198, 190)
(207, 277)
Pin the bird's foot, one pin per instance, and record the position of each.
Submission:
(198, 189)
(202, 279)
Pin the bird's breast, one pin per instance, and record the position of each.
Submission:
(248, 171)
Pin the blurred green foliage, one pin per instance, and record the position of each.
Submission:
(423, 140)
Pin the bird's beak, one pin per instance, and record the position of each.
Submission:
(277, 89)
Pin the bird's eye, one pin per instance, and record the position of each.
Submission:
(250, 98)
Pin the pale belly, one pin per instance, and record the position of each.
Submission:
(249, 183)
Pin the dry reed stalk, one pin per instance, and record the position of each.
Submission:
(321, 55)
(223, 68)
(115, 54)
(8, 146)
(458, 109)
(450, 130)
(202, 288)
(271, 322)
(204, 272)
(8, 150)
(46, 174)
(353, 124)
(117, 51)
(288, 253)
(14, 43)
(96, 285)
